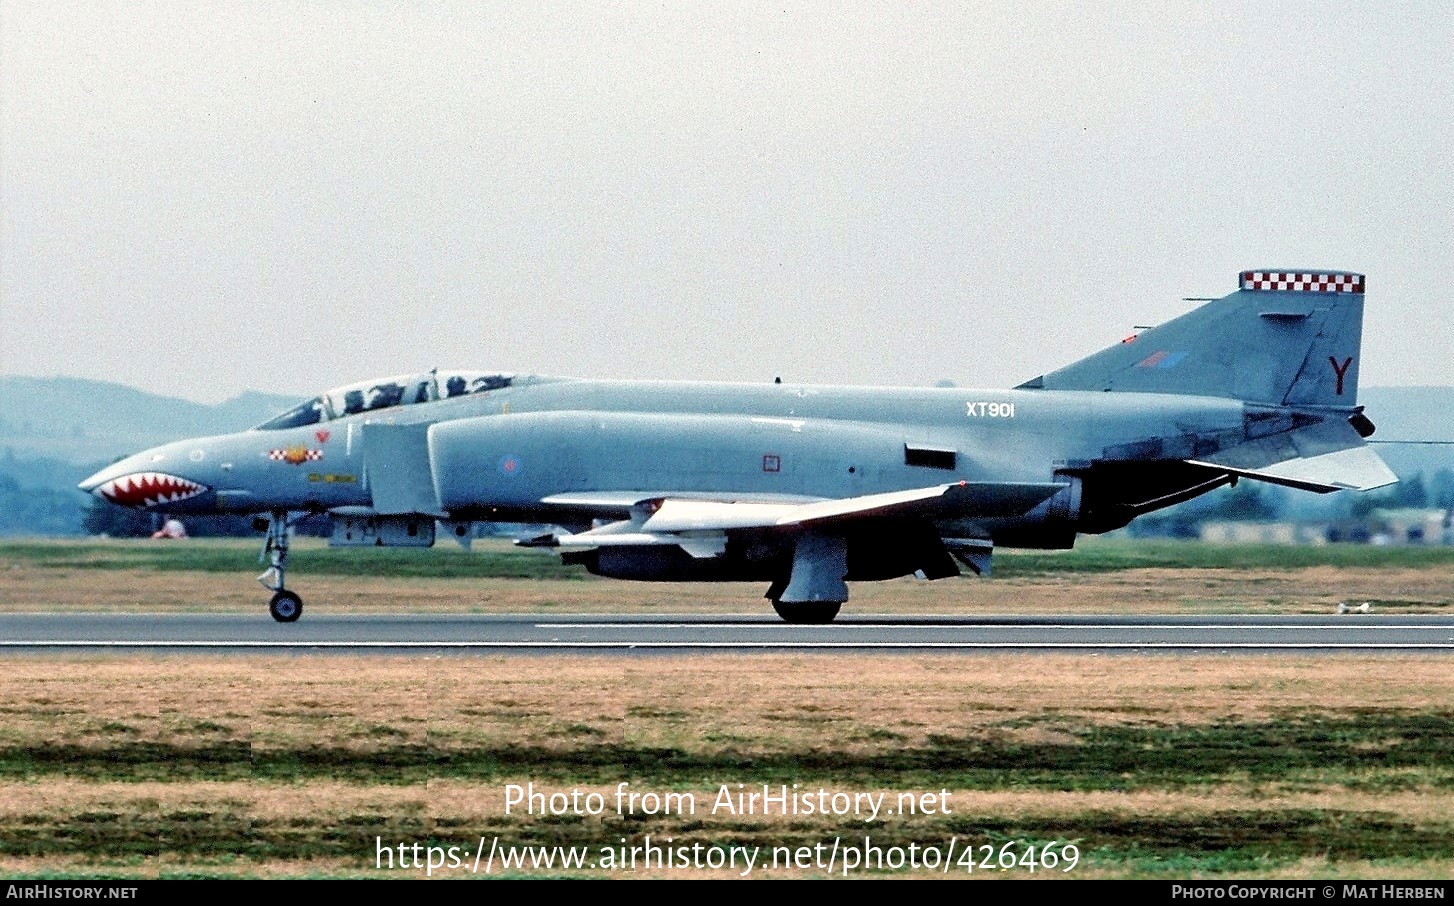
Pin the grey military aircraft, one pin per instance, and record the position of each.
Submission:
(803, 488)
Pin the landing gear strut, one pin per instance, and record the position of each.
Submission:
(285, 606)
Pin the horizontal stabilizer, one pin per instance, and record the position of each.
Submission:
(1329, 456)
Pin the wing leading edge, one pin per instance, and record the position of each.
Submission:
(699, 526)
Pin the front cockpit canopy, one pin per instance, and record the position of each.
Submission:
(385, 393)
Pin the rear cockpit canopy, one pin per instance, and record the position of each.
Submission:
(385, 393)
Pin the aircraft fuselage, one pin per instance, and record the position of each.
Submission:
(498, 455)
(806, 487)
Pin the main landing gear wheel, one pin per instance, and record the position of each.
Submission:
(807, 612)
(285, 607)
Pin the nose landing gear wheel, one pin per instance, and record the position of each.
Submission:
(285, 607)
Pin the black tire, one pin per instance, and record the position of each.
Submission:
(286, 607)
(807, 612)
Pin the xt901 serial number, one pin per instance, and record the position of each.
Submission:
(991, 410)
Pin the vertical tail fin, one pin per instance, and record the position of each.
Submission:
(1284, 338)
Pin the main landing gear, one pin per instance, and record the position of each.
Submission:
(807, 612)
(285, 606)
(814, 590)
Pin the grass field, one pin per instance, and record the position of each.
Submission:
(1150, 767)
(492, 559)
(1212, 766)
(1097, 577)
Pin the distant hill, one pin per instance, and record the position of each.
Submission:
(56, 431)
(81, 421)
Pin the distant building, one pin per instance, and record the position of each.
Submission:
(1412, 525)
(1409, 525)
(1234, 532)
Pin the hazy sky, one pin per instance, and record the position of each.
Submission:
(200, 198)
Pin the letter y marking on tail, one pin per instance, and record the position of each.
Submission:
(1340, 370)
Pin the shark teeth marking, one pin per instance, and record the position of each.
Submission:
(148, 489)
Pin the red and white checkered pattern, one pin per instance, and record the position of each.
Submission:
(1302, 281)
(282, 455)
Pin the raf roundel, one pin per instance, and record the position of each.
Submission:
(510, 465)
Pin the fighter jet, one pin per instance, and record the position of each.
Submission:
(803, 488)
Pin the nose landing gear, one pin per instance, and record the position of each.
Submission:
(285, 606)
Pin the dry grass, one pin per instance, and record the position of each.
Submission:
(574, 724)
(25, 587)
(792, 700)
(292, 766)
(322, 801)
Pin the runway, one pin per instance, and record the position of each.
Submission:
(635, 634)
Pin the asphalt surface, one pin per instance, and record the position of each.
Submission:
(636, 634)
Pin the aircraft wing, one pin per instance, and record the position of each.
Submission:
(1329, 456)
(699, 524)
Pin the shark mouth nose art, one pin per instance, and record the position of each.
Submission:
(148, 489)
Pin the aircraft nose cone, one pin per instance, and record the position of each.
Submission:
(117, 469)
(136, 482)
(147, 489)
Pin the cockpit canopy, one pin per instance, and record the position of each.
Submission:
(385, 393)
